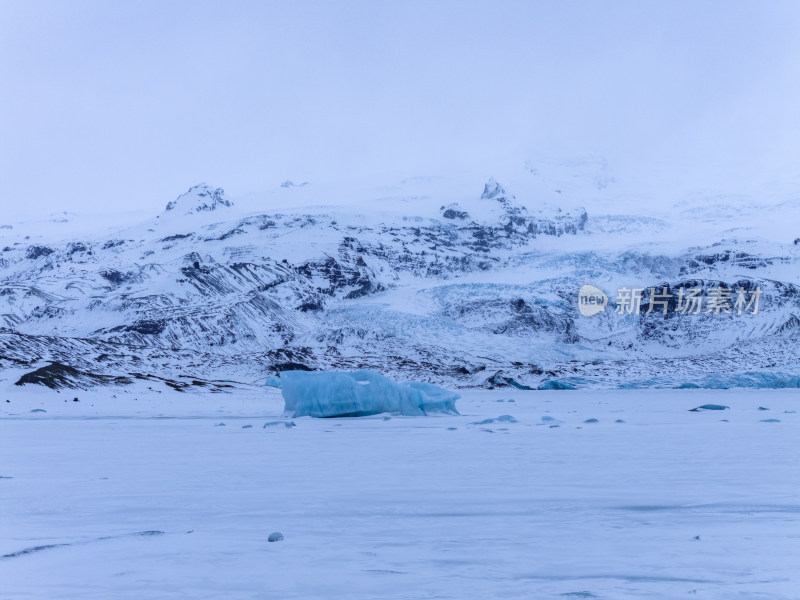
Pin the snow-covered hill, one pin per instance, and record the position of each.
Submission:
(426, 280)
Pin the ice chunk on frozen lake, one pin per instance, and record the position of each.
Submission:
(709, 407)
(286, 424)
(501, 418)
(273, 381)
(549, 419)
(360, 393)
(554, 384)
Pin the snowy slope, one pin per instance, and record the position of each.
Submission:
(469, 284)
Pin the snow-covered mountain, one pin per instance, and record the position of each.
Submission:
(424, 280)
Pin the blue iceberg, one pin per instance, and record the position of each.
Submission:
(273, 381)
(360, 393)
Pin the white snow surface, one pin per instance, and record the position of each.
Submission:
(151, 493)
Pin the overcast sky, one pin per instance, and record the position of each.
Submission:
(112, 105)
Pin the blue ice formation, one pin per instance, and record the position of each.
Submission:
(501, 418)
(555, 384)
(747, 379)
(360, 393)
(286, 424)
(273, 381)
(710, 407)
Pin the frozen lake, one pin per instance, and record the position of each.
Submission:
(153, 498)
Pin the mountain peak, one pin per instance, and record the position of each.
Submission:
(492, 189)
(199, 198)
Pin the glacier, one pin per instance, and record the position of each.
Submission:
(360, 393)
(464, 283)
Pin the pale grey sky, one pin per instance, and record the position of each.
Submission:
(109, 105)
